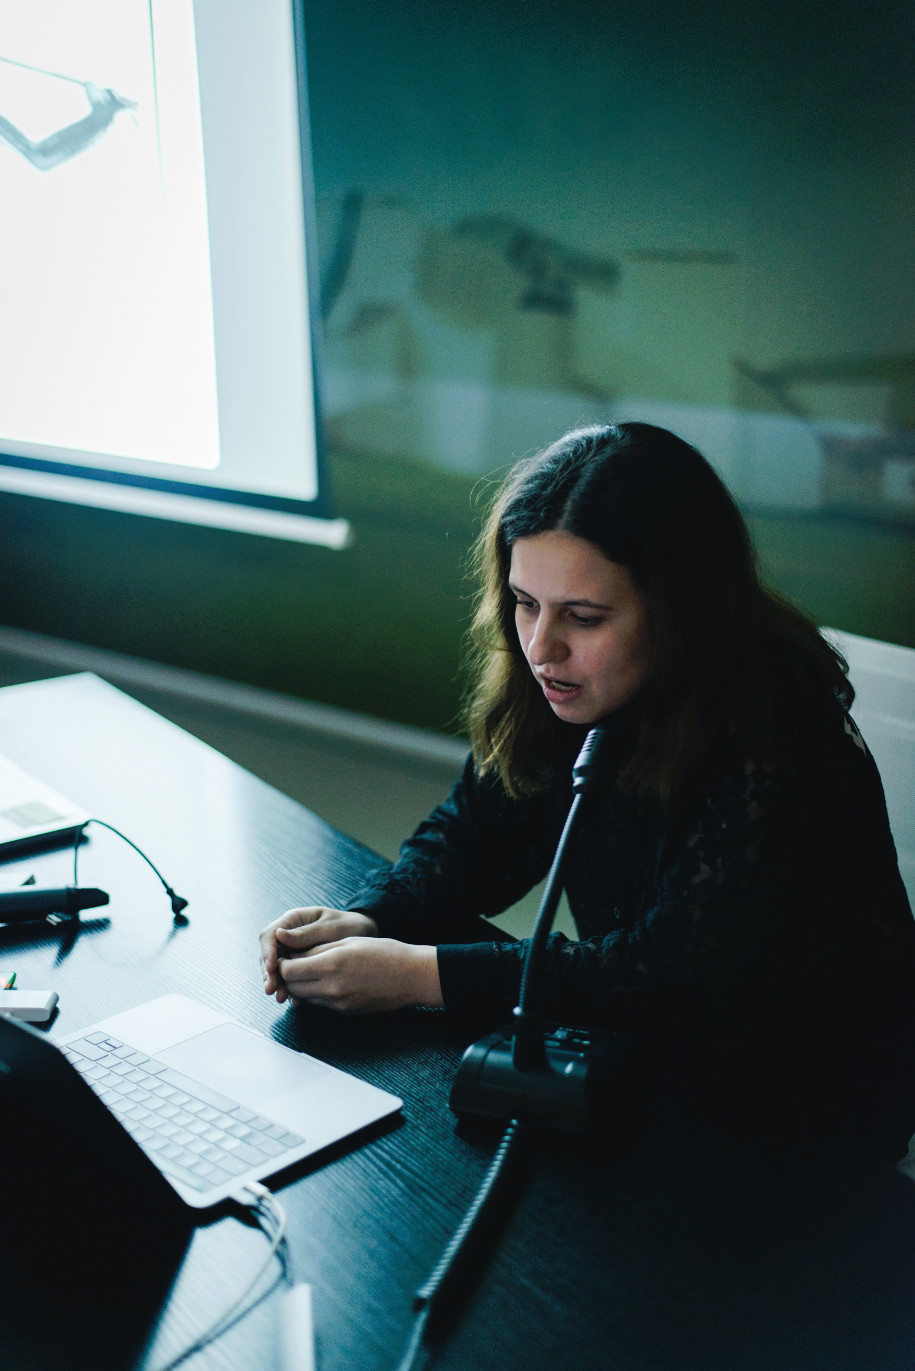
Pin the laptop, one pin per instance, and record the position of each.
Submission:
(100, 1205)
(212, 1104)
(31, 813)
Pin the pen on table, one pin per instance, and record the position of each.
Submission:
(11, 982)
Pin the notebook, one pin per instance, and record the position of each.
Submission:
(211, 1103)
(31, 813)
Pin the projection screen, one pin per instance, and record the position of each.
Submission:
(157, 330)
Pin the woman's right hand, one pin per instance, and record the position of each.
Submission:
(299, 930)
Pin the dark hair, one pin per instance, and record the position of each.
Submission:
(723, 649)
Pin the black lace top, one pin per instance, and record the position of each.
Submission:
(771, 909)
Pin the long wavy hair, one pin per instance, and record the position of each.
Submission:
(726, 655)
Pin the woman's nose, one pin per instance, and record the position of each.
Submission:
(547, 644)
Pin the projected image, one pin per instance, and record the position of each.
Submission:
(107, 341)
(66, 142)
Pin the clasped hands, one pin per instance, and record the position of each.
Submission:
(335, 958)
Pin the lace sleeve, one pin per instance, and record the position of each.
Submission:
(477, 853)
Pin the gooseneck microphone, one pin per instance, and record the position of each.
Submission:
(547, 1077)
(529, 1053)
(522, 1075)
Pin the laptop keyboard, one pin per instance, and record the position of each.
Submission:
(193, 1133)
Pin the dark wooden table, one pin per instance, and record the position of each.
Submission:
(685, 1250)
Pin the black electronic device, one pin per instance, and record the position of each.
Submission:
(579, 1074)
(547, 1076)
(29, 903)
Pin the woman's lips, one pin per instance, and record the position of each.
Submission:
(559, 692)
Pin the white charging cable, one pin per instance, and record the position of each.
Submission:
(271, 1216)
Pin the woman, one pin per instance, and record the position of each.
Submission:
(734, 883)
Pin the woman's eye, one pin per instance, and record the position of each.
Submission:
(524, 604)
(584, 620)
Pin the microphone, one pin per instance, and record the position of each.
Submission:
(556, 1077)
(28, 903)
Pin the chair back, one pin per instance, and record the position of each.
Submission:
(883, 675)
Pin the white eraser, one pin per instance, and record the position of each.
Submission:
(297, 1330)
(34, 1006)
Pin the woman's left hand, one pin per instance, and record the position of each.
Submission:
(364, 975)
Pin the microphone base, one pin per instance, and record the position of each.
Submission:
(583, 1073)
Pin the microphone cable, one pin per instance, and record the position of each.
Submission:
(432, 1299)
(178, 902)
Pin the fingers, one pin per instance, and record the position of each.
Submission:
(312, 927)
(299, 934)
(315, 977)
(308, 969)
(361, 975)
(307, 935)
(293, 918)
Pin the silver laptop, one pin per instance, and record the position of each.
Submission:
(214, 1104)
(31, 812)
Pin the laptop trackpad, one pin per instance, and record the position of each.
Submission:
(245, 1066)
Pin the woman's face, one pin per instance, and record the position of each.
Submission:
(582, 625)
